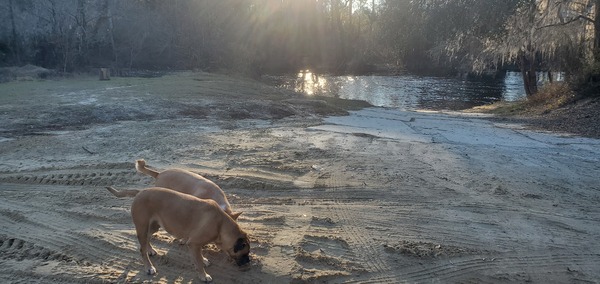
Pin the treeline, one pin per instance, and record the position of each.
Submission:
(252, 36)
(339, 36)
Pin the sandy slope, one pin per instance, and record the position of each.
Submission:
(380, 196)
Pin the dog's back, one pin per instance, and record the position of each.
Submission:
(189, 183)
(192, 184)
(173, 210)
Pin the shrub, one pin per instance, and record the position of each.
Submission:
(552, 96)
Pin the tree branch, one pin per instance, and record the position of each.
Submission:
(567, 22)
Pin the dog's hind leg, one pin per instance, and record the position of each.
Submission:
(153, 228)
(143, 235)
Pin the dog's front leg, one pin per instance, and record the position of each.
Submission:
(200, 262)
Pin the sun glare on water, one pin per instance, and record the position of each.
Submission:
(310, 83)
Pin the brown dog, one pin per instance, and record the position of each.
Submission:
(188, 183)
(198, 221)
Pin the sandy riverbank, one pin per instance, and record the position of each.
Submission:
(376, 196)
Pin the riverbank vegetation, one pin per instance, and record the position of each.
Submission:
(555, 107)
(255, 37)
(549, 98)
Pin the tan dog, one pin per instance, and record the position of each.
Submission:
(188, 183)
(198, 221)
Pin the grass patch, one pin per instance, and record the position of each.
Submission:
(550, 97)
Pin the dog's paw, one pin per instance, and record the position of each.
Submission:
(205, 278)
(151, 271)
(206, 261)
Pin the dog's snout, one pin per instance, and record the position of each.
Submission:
(245, 259)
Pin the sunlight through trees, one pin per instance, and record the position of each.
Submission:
(335, 36)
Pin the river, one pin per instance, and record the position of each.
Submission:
(407, 92)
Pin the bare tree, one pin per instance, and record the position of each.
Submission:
(15, 39)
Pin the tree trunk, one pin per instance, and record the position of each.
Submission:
(15, 40)
(532, 75)
(529, 75)
(526, 82)
(109, 20)
(338, 28)
(104, 74)
(82, 45)
(596, 46)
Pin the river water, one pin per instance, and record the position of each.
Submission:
(407, 92)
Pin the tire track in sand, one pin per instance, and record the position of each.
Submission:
(477, 267)
(45, 226)
(368, 253)
(101, 177)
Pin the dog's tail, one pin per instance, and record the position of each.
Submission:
(140, 166)
(123, 193)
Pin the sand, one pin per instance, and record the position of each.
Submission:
(367, 196)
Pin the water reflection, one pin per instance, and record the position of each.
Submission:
(407, 92)
(310, 83)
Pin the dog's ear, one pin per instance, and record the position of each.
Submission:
(239, 245)
(235, 215)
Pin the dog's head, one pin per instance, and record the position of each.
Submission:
(240, 252)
